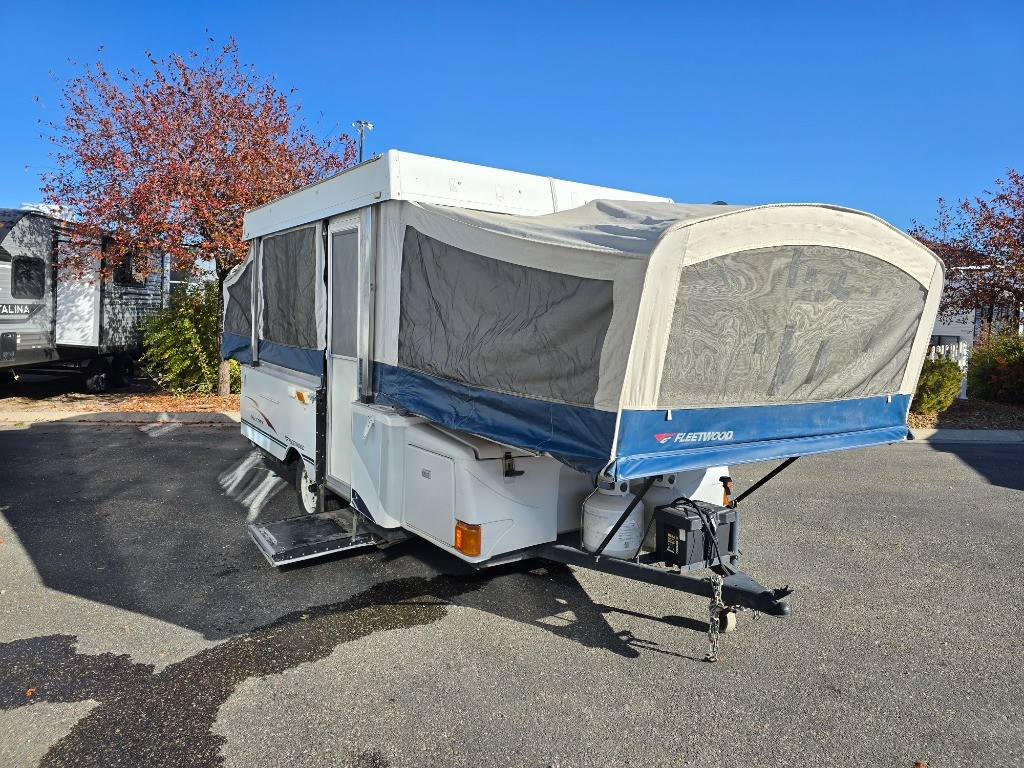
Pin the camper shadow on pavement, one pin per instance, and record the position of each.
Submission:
(987, 459)
(152, 521)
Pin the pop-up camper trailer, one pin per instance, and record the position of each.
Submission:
(56, 322)
(505, 364)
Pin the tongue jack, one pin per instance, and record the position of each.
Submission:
(726, 482)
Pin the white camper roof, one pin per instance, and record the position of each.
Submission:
(417, 178)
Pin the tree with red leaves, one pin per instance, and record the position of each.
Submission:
(981, 241)
(168, 160)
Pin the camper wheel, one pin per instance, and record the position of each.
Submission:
(305, 491)
(97, 375)
(123, 371)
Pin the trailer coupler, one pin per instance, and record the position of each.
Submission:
(738, 589)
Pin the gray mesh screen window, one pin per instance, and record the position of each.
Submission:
(238, 318)
(289, 288)
(345, 298)
(789, 324)
(500, 326)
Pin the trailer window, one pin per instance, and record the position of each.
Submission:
(238, 316)
(344, 292)
(289, 289)
(125, 274)
(28, 277)
(789, 324)
(501, 326)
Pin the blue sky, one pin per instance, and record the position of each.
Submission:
(879, 106)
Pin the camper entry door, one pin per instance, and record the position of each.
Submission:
(343, 363)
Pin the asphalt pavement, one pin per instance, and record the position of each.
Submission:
(139, 626)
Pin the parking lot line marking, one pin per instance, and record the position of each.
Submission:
(158, 428)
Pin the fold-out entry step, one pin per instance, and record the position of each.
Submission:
(308, 536)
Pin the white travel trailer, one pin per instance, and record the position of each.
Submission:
(50, 322)
(515, 366)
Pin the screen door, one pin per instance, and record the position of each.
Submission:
(343, 380)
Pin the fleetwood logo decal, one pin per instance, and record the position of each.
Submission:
(692, 437)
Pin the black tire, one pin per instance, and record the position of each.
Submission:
(97, 375)
(122, 372)
(305, 497)
(7, 378)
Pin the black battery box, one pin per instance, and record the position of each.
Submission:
(680, 538)
(8, 346)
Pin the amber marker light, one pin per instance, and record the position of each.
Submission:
(467, 538)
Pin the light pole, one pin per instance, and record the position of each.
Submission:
(360, 126)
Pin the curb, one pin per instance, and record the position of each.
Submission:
(933, 436)
(72, 418)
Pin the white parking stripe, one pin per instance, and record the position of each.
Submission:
(158, 428)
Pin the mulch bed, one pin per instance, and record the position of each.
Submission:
(64, 393)
(972, 414)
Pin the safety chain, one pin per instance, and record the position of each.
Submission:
(714, 612)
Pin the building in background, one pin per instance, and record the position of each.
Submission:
(956, 337)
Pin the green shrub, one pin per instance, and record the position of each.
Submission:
(938, 386)
(181, 342)
(996, 369)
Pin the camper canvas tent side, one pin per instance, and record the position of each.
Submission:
(50, 320)
(635, 339)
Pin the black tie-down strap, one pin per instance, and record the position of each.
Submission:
(763, 480)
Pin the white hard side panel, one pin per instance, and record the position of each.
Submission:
(378, 461)
(514, 512)
(446, 182)
(279, 411)
(409, 473)
(430, 495)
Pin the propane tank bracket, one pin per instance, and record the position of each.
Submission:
(509, 466)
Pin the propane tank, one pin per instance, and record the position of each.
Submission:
(601, 510)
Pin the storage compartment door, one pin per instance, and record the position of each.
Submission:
(430, 494)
